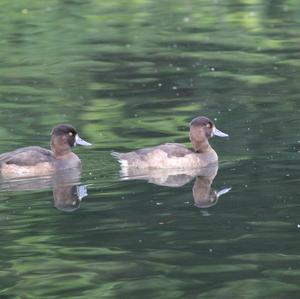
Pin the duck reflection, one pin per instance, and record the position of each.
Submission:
(204, 195)
(67, 191)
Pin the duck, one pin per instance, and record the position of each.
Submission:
(36, 161)
(175, 155)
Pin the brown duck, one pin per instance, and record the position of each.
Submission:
(174, 155)
(36, 161)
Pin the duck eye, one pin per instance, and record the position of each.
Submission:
(70, 133)
(208, 125)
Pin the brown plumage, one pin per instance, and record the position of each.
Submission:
(174, 155)
(35, 160)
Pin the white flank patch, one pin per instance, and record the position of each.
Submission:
(124, 168)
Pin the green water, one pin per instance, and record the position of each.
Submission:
(131, 74)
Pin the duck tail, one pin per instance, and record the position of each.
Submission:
(116, 155)
(120, 157)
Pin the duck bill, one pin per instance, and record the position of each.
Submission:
(223, 191)
(80, 141)
(81, 191)
(219, 133)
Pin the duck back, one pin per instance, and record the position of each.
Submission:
(27, 156)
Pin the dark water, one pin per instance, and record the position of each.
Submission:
(130, 74)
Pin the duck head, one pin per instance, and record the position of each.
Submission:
(201, 129)
(63, 138)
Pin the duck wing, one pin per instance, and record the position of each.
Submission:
(171, 149)
(27, 156)
(174, 149)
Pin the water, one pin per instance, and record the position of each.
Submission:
(131, 74)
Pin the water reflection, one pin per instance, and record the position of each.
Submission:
(204, 194)
(67, 191)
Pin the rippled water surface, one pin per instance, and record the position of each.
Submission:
(131, 74)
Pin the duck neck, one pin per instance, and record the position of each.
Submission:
(201, 147)
(60, 150)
